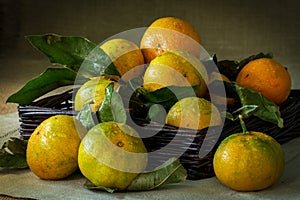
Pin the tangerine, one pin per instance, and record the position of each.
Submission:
(249, 161)
(112, 155)
(52, 148)
(92, 91)
(268, 77)
(176, 67)
(126, 57)
(194, 113)
(168, 33)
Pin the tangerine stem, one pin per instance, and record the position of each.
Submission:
(243, 125)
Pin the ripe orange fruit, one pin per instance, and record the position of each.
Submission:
(176, 67)
(249, 161)
(169, 33)
(194, 113)
(52, 148)
(112, 155)
(268, 77)
(92, 90)
(126, 56)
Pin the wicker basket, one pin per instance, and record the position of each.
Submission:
(32, 115)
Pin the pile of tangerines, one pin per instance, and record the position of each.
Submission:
(170, 46)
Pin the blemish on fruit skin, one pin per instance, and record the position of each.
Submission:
(120, 144)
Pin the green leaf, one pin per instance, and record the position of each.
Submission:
(8, 160)
(16, 146)
(86, 116)
(266, 110)
(129, 93)
(74, 52)
(89, 185)
(166, 96)
(118, 109)
(228, 115)
(13, 154)
(245, 111)
(49, 80)
(253, 103)
(112, 107)
(170, 172)
(157, 113)
(66, 50)
(97, 63)
(104, 113)
(168, 93)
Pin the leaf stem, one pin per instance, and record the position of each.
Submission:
(243, 125)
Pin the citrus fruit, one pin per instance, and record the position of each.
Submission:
(168, 33)
(268, 77)
(112, 155)
(194, 113)
(217, 76)
(249, 162)
(52, 148)
(176, 67)
(92, 91)
(218, 99)
(126, 56)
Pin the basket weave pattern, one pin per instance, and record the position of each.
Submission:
(32, 115)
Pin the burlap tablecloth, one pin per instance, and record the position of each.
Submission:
(20, 184)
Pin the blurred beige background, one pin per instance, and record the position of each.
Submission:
(231, 29)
